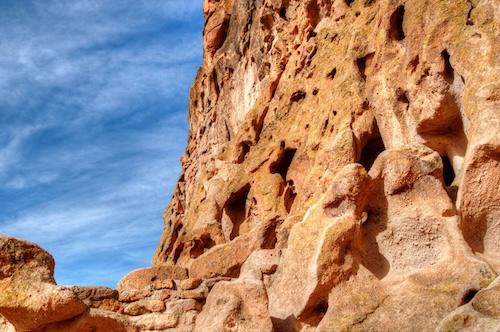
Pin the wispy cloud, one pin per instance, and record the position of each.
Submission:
(93, 101)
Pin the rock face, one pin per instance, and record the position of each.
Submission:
(342, 174)
(359, 138)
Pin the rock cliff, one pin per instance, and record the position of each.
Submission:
(342, 174)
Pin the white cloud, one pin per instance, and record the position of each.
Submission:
(101, 223)
(93, 102)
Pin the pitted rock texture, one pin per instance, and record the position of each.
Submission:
(342, 174)
(357, 138)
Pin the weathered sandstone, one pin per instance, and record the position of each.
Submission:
(29, 297)
(341, 174)
(367, 132)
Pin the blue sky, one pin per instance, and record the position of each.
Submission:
(93, 120)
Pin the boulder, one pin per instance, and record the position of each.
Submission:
(157, 277)
(239, 305)
(29, 297)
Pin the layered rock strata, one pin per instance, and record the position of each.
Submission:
(342, 173)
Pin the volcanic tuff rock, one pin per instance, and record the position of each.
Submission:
(342, 173)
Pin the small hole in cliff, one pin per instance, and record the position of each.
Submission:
(396, 24)
(469, 296)
(372, 148)
(321, 308)
(175, 235)
(370, 152)
(361, 63)
(290, 195)
(243, 151)
(228, 132)
(315, 314)
(349, 2)
(331, 75)
(269, 237)
(414, 64)
(402, 97)
(283, 13)
(216, 82)
(297, 96)
(315, 92)
(323, 130)
(332, 38)
(281, 167)
(448, 173)
(201, 245)
(358, 13)
(449, 73)
(235, 208)
(178, 252)
(469, 15)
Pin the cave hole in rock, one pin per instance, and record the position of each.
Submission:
(297, 96)
(449, 72)
(361, 64)
(178, 252)
(402, 97)
(412, 66)
(321, 308)
(235, 208)
(283, 13)
(228, 132)
(289, 195)
(396, 24)
(243, 150)
(215, 79)
(201, 245)
(314, 314)
(269, 237)
(175, 234)
(332, 73)
(267, 22)
(283, 164)
(371, 149)
(448, 172)
(349, 2)
(332, 38)
(325, 126)
(372, 145)
(469, 14)
(469, 296)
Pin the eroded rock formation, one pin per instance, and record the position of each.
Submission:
(342, 173)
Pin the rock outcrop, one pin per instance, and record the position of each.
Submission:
(342, 174)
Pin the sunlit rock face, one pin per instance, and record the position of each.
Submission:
(342, 174)
(358, 141)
